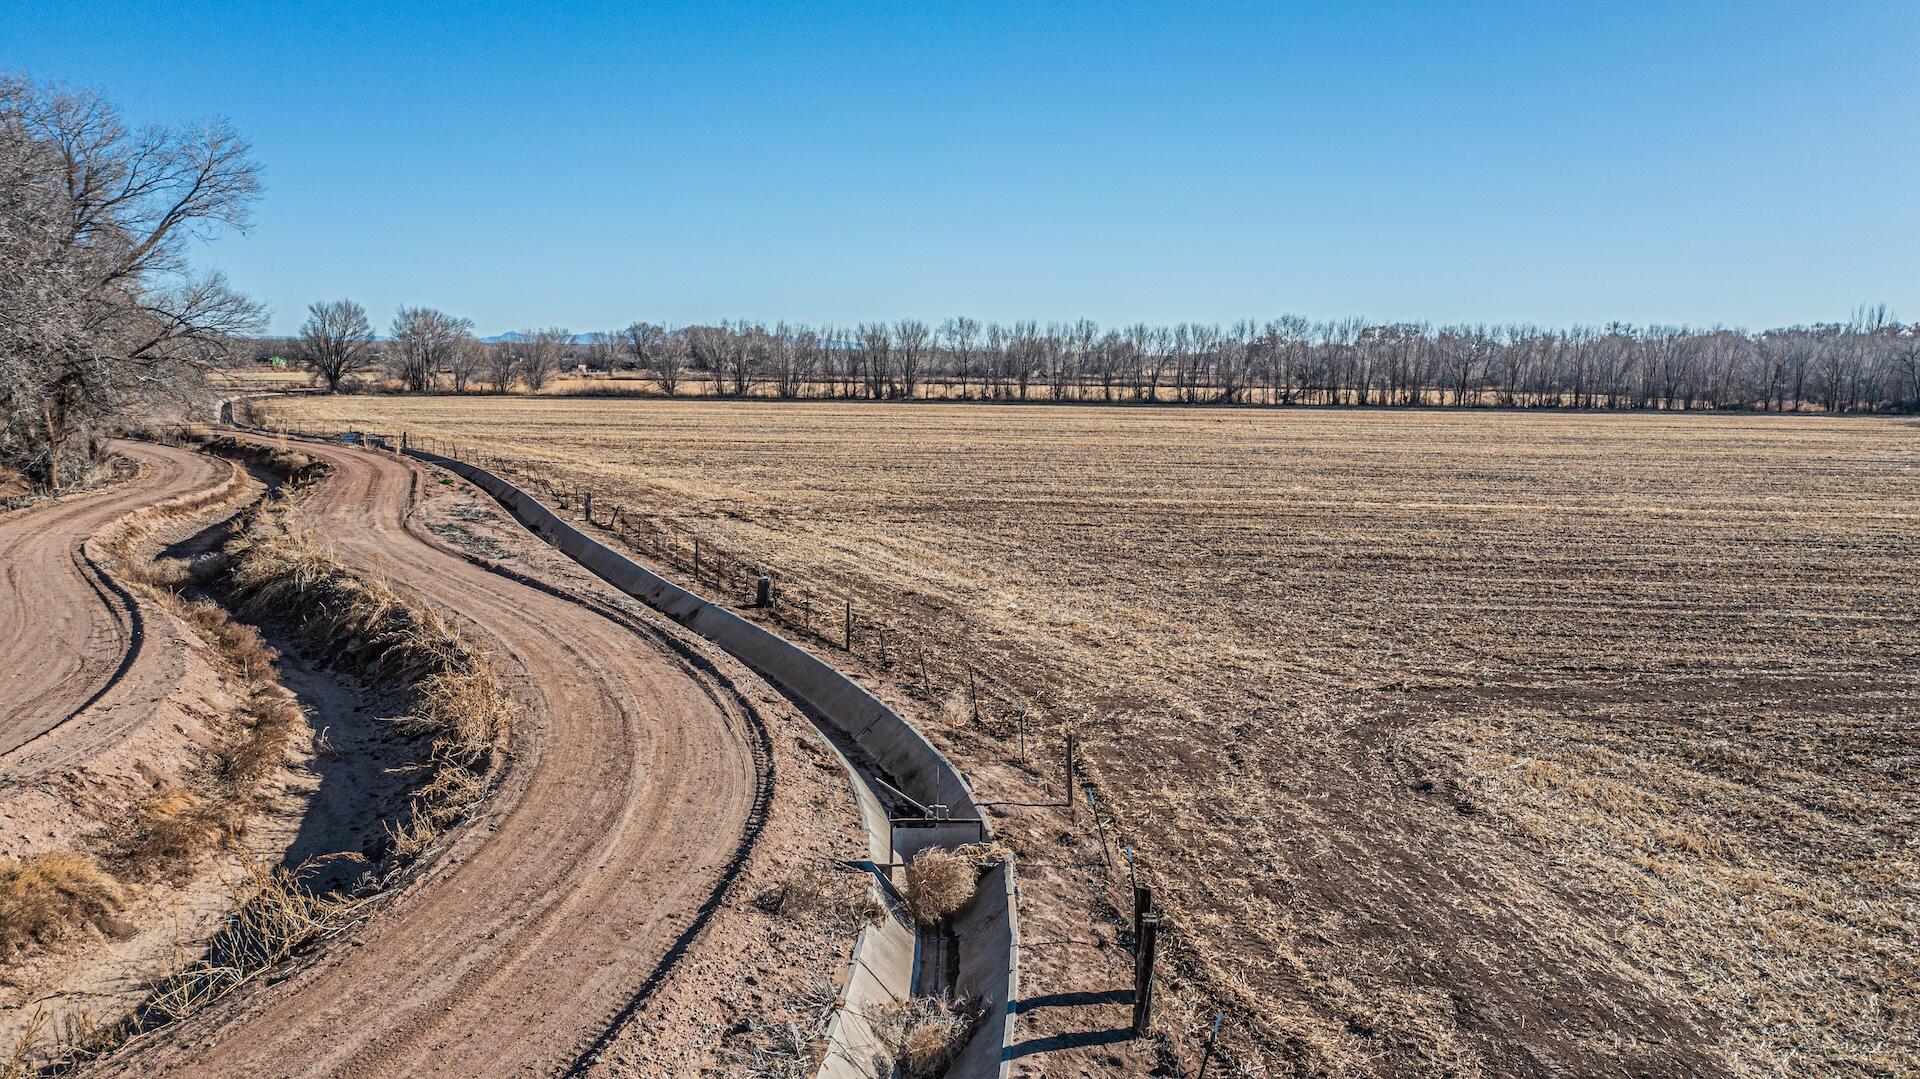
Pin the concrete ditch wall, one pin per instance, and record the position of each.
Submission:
(881, 971)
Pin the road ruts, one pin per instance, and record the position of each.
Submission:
(68, 633)
(632, 786)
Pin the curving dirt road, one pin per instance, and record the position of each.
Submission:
(67, 633)
(633, 783)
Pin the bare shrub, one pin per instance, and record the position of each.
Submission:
(941, 882)
(926, 1033)
(273, 917)
(789, 1044)
(840, 898)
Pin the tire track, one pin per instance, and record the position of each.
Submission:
(639, 784)
(70, 635)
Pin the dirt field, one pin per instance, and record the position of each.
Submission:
(1456, 743)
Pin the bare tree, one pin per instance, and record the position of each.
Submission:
(962, 338)
(541, 353)
(99, 310)
(600, 349)
(503, 363)
(465, 360)
(911, 343)
(423, 341)
(336, 341)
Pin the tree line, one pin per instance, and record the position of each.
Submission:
(1871, 362)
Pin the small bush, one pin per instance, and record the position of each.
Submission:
(926, 1033)
(941, 882)
(842, 898)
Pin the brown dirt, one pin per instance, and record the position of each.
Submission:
(1454, 743)
(68, 633)
(117, 701)
(625, 810)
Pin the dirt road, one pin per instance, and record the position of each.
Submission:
(68, 634)
(634, 777)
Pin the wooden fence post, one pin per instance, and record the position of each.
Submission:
(1143, 954)
(589, 507)
(1142, 906)
(763, 592)
(1023, 730)
(849, 642)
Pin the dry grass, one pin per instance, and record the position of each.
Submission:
(1452, 742)
(841, 897)
(941, 881)
(925, 1033)
(273, 918)
(457, 699)
(49, 897)
(788, 1044)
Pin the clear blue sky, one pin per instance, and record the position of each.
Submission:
(591, 164)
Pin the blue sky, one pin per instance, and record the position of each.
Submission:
(588, 165)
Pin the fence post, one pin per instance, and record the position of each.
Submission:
(1143, 955)
(1106, 852)
(1142, 906)
(1071, 809)
(763, 592)
(696, 558)
(589, 507)
(849, 623)
(1206, 1058)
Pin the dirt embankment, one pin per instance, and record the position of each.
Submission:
(116, 707)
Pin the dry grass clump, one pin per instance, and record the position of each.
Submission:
(274, 917)
(842, 898)
(789, 1044)
(941, 882)
(458, 700)
(174, 826)
(926, 1033)
(47, 897)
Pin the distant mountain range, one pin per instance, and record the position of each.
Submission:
(516, 335)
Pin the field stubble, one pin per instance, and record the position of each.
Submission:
(1465, 743)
